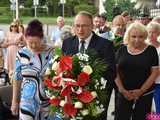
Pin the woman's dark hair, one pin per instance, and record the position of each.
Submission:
(34, 28)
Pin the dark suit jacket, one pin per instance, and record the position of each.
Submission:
(104, 49)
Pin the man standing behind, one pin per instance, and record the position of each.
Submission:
(96, 23)
(56, 32)
(83, 26)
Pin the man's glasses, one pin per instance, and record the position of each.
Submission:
(81, 26)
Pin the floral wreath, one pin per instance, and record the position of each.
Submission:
(74, 85)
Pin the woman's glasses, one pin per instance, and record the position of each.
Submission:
(13, 26)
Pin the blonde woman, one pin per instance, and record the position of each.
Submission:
(153, 29)
(137, 69)
(11, 42)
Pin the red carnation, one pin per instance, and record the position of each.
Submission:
(48, 83)
(55, 101)
(69, 83)
(83, 79)
(69, 109)
(85, 97)
(66, 63)
(66, 91)
(68, 75)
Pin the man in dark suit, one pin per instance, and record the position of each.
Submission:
(83, 27)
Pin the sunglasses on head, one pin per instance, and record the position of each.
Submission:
(13, 26)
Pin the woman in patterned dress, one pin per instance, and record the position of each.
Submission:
(29, 99)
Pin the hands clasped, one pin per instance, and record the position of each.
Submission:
(132, 94)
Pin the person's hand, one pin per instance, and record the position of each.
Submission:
(127, 94)
(15, 109)
(136, 93)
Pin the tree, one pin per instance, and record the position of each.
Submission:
(109, 7)
(122, 4)
(4, 3)
(75, 6)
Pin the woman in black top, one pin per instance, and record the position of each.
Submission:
(137, 67)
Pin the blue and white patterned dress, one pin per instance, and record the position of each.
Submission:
(30, 69)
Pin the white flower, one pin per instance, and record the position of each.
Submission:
(99, 110)
(94, 94)
(55, 66)
(68, 79)
(83, 57)
(53, 59)
(103, 83)
(79, 118)
(97, 102)
(52, 97)
(84, 112)
(79, 91)
(87, 69)
(86, 57)
(48, 94)
(101, 106)
(48, 71)
(78, 105)
(62, 102)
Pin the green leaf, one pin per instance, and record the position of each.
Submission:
(76, 68)
(58, 51)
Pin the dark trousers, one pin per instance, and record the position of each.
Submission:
(137, 110)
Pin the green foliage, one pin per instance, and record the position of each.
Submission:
(123, 4)
(54, 7)
(26, 12)
(98, 64)
(53, 109)
(28, 3)
(6, 19)
(5, 11)
(84, 7)
(58, 51)
(5, 15)
(75, 67)
(118, 41)
(109, 6)
(5, 3)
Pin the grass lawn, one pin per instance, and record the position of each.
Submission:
(46, 20)
(25, 20)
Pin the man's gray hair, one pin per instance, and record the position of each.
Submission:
(85, 13)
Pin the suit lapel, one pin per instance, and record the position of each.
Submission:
(93, 42)
(75, 45)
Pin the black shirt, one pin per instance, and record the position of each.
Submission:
(135, 69)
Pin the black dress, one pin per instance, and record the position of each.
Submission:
(134, 71)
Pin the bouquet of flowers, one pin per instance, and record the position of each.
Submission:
(74, 85)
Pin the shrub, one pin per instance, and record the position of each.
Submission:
(26, 12)
(5, 11)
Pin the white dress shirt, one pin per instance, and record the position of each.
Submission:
(87, 41)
